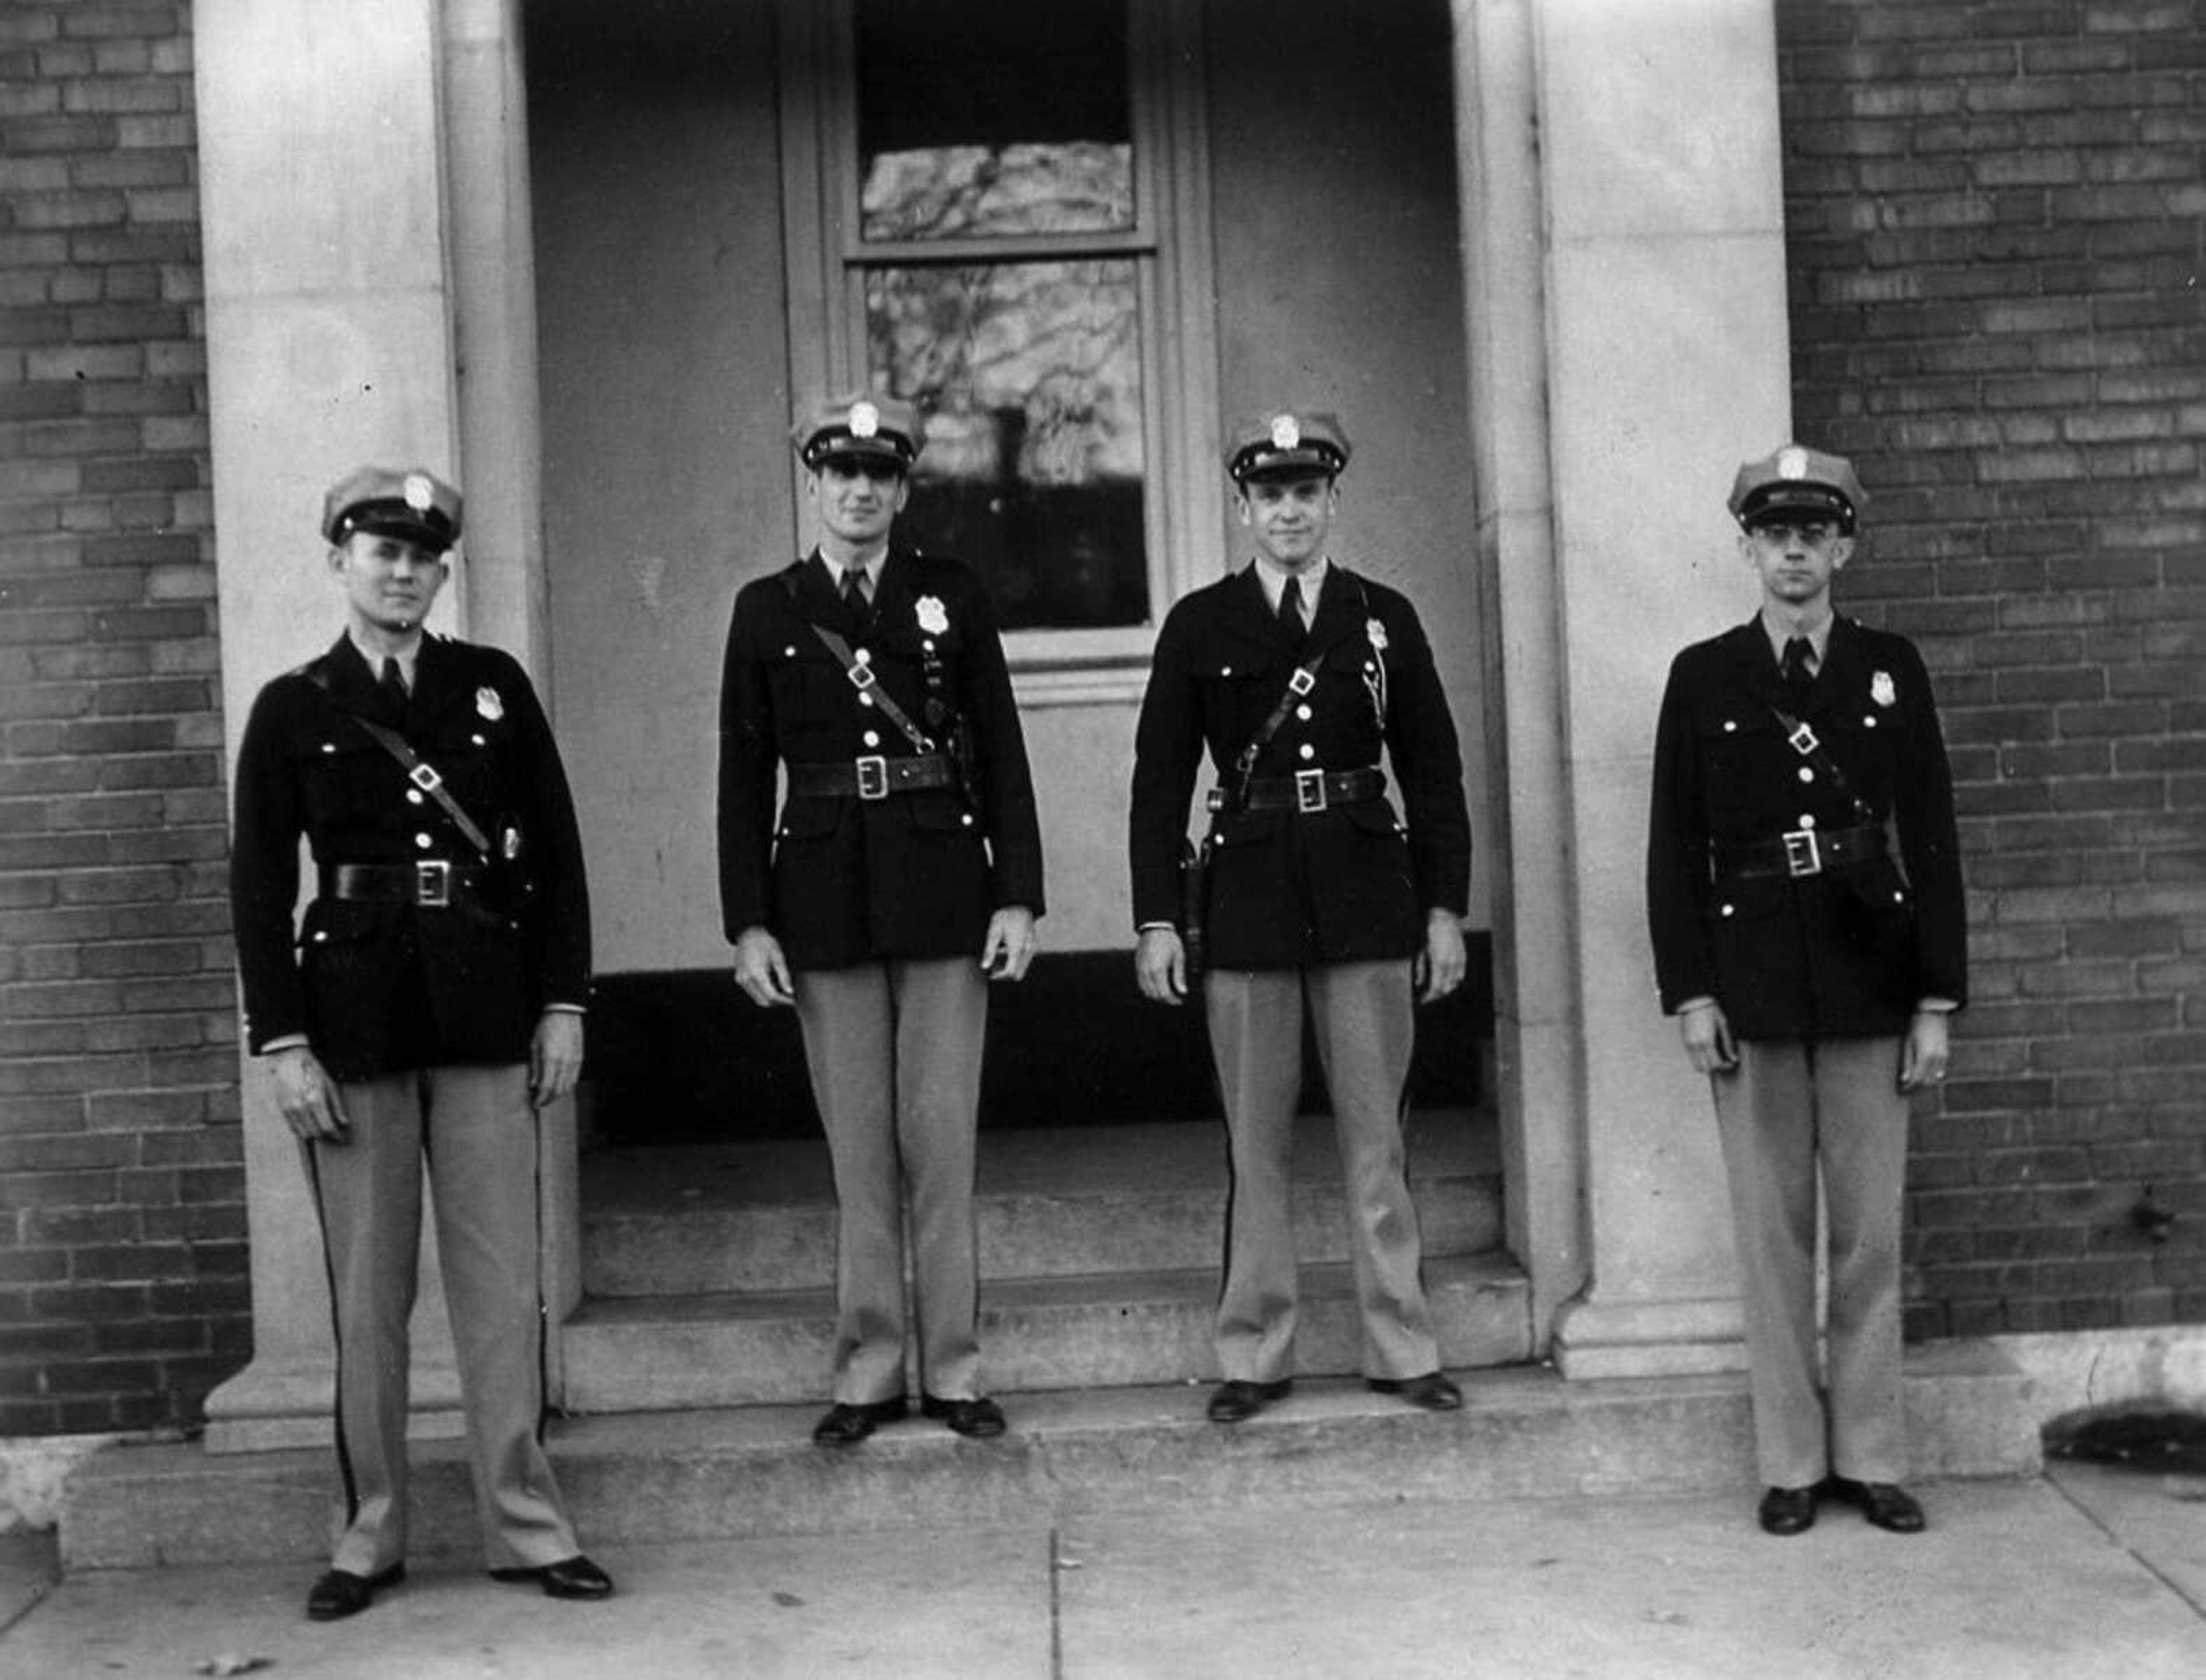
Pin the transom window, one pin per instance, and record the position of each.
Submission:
(989, 215)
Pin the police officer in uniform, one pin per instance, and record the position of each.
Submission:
(1295, 673)
(904, 875)
(1803, 889)
(432, 1003)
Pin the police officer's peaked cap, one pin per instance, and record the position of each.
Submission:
(392, 501)
(858, 426)
(1289, 445)
(1797, 482)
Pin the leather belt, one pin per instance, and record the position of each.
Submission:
(1804, 851)
(875, 777)
(1308, 790)
(431, 883)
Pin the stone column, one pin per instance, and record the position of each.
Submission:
(329, 180)
(1628, 347)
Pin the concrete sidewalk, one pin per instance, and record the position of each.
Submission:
(2085, 1571)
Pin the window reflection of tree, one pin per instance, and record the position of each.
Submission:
(1030, 375)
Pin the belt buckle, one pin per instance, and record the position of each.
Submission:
(1309, 790)
(1802, 856)
(432, 883)
(873, 777)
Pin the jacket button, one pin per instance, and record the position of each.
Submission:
(413, 795)
(1308, 751)
(1806, 774)
(865, 699)
(477, 739)
(872, 738)
(967, 819)
(789, 652)
(1806, 819)
(1869, 723)
(1225, 670)
(422, 841)
(1725, 910)
(1302, 712)
(1730, 726)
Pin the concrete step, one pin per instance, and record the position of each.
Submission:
(662, 1353)
(1069, 1201)
(1523, 1432)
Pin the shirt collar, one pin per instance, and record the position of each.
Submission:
(1819, 638)
(872, 569)
(1274, 581)
(407, 656)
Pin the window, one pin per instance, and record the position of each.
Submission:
(995, 209)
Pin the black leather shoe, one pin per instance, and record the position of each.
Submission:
(845, 1425)
(1787, 1510)
(1432, 1393)
(574, 1577)
(982, 1419)
(1236, 1402)
(1886, 1505)
(340, 1593)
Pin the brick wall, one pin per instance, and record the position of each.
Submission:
(1996, 224)
(123, 1262)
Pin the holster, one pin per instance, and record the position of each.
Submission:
(1195, 904)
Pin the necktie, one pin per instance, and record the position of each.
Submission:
(1798, 677)
(853, 588)
(1290, 607)
(394, 686)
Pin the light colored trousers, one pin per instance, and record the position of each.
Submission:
(1364, 1020)
(475, 1127)
(1789, 1110)
(894, 1050)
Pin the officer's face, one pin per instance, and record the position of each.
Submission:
(1796, 562)
(856, 498)
(390, 582)
(1290, 518)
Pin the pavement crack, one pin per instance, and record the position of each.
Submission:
(2143, 1562)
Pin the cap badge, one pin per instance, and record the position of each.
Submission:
(931, 617)
(1881, 690)
(1792, 462)
(420, 494)
(865, 419)
(1375, 633)
(1285, 433)
(488, 704)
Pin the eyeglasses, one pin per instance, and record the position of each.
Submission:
(1815, 534)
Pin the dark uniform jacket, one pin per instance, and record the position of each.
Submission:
(379, 986)
(844, 879)
(1847, 952)
(1347, 884)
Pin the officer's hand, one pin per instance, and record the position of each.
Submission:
(308, 1097)
(1707, 1039)
(760, 968)
(1010, 945)
(555, 1057)
(1441, 965)
(1161, 965)
(1924, 1055)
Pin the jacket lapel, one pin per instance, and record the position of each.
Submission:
(349, 680)
(1340, 614)
(439, 684)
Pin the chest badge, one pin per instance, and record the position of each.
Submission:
(932, 618)
(1881, 690)
(488, 704)
(1375, 633)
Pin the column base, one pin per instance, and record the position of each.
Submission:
(287, 1403)
(1649, 1339)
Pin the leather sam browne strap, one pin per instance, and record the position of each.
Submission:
(861, 676)
(423, 775)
